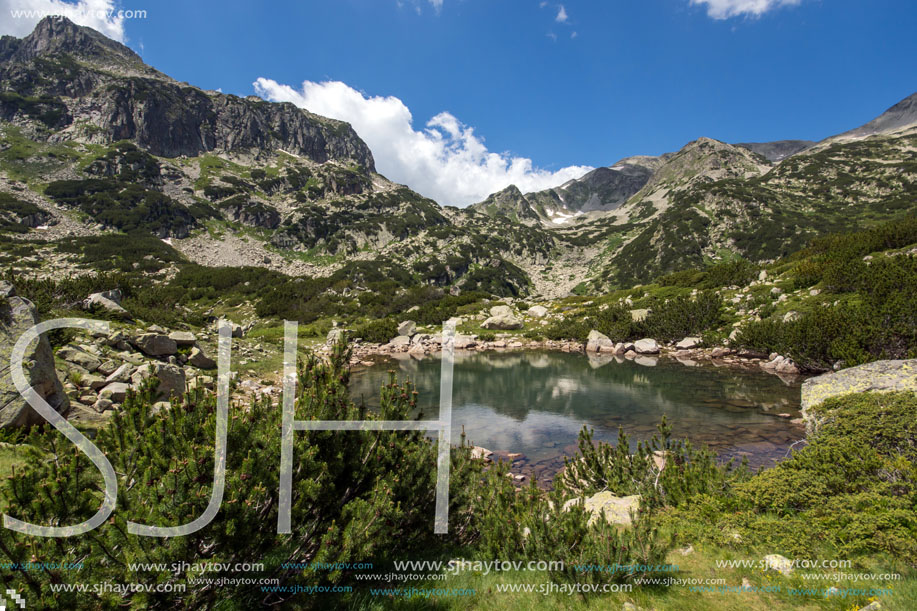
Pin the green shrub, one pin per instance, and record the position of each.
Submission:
(857, 478)
(127, 206)
(682, 316)
(118, 251)
(47, 109)
(14, 212)
(687, 472)
(881, 324)
(377, 331)
(530, 523)
(357, 496)
(736, 272)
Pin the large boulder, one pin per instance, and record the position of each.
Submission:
(463, 342)
(502, 322)
(108, 300)
(646, 346)
(401, 340)
(597, 342)
(878, 376)
(171, 379)
(155, 344)
(17, 315)
(121, 374)
(614, 509)
(408, 327)
(537, 311)
(501, 310)
(689, 343)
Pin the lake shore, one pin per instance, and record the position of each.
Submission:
(366, 354)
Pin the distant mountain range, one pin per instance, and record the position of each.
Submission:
(93, 142)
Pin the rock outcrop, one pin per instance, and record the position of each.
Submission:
(17, 315)
(878, 376)
(132, 101)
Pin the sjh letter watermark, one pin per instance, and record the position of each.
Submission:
(443, 426)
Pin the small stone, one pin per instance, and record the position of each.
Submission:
(778, 563)
(116, 392)
(198, 359)
(478, 453)
(102, 405)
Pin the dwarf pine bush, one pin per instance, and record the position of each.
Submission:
(664, 471)
(357, 496)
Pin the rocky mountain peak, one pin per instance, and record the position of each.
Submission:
(509, 202)
(102, 91)
(57, 36)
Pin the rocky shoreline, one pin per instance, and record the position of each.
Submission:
(647, 354)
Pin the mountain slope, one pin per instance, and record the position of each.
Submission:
(777, 150)
(99, 152)
(100, 144)
(900, 116)
(97, 90)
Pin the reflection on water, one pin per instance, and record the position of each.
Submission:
(537, 402)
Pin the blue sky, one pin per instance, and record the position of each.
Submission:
(527, 93)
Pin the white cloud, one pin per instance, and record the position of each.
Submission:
(723, 9)
(561, 15)
(437, 4)
(18, 17)
(445, 161)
